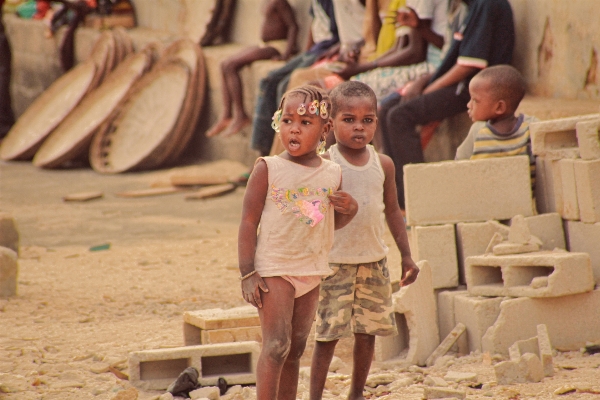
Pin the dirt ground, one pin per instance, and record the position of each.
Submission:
(79, 311)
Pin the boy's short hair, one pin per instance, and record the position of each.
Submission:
(350, 89)
(507, 84)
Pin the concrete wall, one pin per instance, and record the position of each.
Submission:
(558, 47)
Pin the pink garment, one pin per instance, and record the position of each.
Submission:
(303, 284)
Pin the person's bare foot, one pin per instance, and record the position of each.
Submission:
(236, 126)
(218, 127)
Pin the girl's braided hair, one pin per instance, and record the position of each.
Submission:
(311, 94)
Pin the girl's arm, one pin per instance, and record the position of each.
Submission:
(395, 221)
(254, 202)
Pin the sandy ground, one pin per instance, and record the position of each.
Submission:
(78, 311)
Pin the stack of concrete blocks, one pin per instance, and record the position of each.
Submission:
(219, 343)
(9, 251)
(216, 325)
(568, 179)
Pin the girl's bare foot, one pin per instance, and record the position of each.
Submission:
(218, 127)
(236, 126)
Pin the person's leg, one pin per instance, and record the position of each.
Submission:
(6, 114)
(266, 105)
(234, 84)
(401, 139)
(305, 308)
(364, 347)
(322, 356)
(276, 324)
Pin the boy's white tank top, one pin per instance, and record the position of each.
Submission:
(296, 227)
(361, 241)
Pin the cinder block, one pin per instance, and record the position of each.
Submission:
(588, 139)
(416, 318)
(472, 239)
(585, 238)
(216, 325)
(587, 176)
(570, 205)
(156, 369)
(9, 235)
(557, 138)
(544, 185)
(249, 333)
(9, 271)
(541, 274)
(446, 321)
(549, 229)
(467, 191)
(477, 314)
(571, 320)
(528, 368)
(437, 245)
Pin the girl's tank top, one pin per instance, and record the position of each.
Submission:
(297, 222)
(361, 241)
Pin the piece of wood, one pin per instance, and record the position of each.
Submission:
(149, 192)
(197, 179)
(83, 196)
(446, 344)
(211, 191)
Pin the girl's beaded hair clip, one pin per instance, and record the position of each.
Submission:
(314, 107)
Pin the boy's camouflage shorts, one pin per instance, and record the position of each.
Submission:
(357, 296)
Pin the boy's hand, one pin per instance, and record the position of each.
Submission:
(410, 271)
(343, 202)
(251, 288)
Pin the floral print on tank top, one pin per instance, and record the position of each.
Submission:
(309, 212)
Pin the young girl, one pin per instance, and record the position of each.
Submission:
(295, 198)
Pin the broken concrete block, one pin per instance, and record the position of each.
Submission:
(562, 274)
(443, 393)
(477, 314)
(544, 186)
(446, 344)
(587, 176)
(435, 381)
(549, 229)
(557, 138)
(521, 347)
(582, 237)
(570, 205)
(494, 241)
(545, 349)
(507, 248)
(588, 139)
(213, 336)
(527, 369)
(437, 245)
(9, 235)
(416, 318)
(197, 323)
(498, 188)
(455, 376)
(446, 323)
(472, 239)
(156, 369)
(9, 271)
(571, 321)
(519, 230)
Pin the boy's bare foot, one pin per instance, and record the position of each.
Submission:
(218, 127)
(236, 126)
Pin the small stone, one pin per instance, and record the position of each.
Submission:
(99, 368)
(166, 396)
(211, 392)
(415, 369)
(400, 383)
(458, 377)
(336, 364)
(443, 393)
(237, 389)
(127, 394)
(444, 362)
(380, 379)
(565, 390)
(435, 381)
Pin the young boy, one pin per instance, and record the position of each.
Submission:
(357, 297)
(497, 131)
(278, 35)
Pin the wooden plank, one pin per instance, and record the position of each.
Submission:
(211, 191)
(149, 192)
(83, 196)
(198, 179)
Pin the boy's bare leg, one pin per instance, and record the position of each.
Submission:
(225, 117)
(305, 309)
(231, 70)
(319, 368)
(364, 347)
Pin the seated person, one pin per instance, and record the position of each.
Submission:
(278, 34)
(486, 38)
(497, 131)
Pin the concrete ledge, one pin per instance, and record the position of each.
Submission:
(543, 274)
